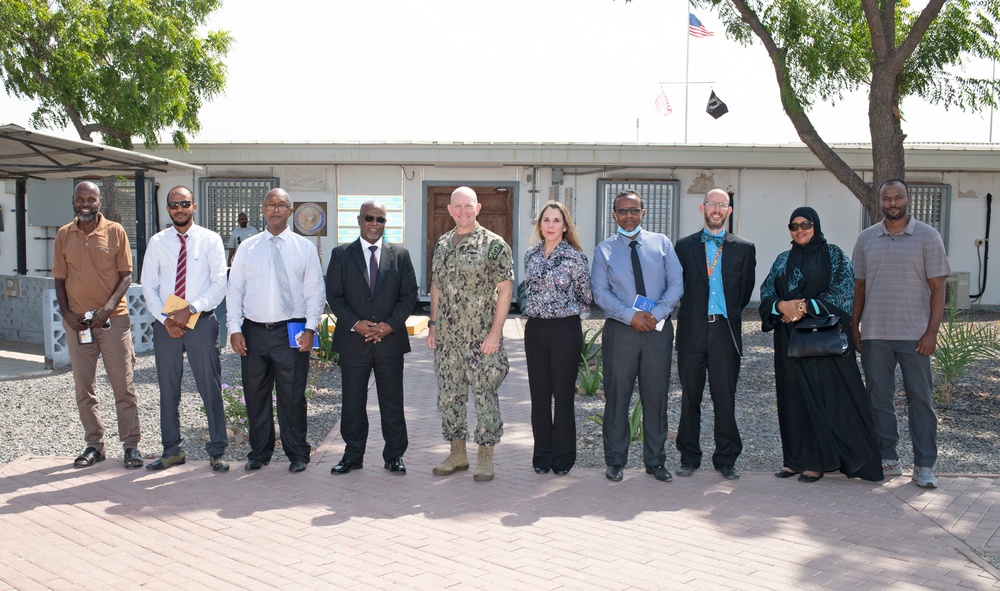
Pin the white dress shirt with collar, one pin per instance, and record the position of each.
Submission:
(365, 245)
(253, 290)
(206, 269)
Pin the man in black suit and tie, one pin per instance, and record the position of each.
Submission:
(718, 282)
(371, 288)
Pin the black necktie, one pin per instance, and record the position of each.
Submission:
(717, 239)
(372, 268)
(640, 285)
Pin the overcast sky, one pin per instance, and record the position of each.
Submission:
(512, 70)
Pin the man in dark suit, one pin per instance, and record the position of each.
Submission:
(718, 282)
(371, 288)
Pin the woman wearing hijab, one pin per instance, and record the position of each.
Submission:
(824, 413)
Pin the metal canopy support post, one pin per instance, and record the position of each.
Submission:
(20, 222)
(140, 221)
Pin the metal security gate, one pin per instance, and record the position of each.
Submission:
(661, 198)
(221, 200)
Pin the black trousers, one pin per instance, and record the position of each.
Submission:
(269, 365)
(719, 358)
(354, 372)
(552, 348)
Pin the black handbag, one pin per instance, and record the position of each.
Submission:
(817, 337)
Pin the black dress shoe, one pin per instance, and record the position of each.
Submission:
(396, 466)
(255, 464)
(660, 473)
(561, 471)
(729, 472)
(345, 466)
(297, 466)
(615, 472)
(539, 470)
(785, 473)
(686, 470)
(807, 478)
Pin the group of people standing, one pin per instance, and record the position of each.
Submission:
(829, 420)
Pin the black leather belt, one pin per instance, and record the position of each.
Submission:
(714, 317)
(273, 325)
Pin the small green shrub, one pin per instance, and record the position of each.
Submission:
(961, 343)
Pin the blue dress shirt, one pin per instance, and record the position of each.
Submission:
(614, 284)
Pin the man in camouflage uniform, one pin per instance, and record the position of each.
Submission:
(472, 276)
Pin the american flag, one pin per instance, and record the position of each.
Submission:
(696, 29)
(662, 104)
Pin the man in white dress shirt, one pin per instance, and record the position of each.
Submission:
(188, 261)
(275, 279)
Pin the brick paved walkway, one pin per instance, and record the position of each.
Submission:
(187, 528)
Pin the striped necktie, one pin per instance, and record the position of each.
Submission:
(182, 263)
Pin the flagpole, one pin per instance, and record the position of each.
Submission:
(687, 66)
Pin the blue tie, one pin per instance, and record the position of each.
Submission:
(718, 240)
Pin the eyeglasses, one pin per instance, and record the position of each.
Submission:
(716, 205)
(179, 204)
(371, 218)
(806, 225)
(277, 206)
(629, 211)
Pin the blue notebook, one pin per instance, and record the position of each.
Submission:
(294, 330)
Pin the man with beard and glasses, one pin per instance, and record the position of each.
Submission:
(189, 262)
(718, 282)
(900, 268)
(92, 267)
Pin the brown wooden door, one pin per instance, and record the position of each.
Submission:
(496, 215)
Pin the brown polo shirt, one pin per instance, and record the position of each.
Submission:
(90, 264)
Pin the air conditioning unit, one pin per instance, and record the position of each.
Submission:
(956, 291)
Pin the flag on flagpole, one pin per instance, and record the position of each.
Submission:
(696, 29)
(662, 104)
(716, 108)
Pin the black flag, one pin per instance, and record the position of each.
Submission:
(716, 108)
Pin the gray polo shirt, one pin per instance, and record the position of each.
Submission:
(895, 270)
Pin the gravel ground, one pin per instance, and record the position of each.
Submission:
(40, 416)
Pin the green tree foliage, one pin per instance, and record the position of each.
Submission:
(121, 68)
(822, 49)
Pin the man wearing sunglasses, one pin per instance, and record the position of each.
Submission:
(718, 282)
(189, 262)
(638, 336)
(371, 288)
(92, 267)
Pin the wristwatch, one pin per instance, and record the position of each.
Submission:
(192, 310)
(432, 323)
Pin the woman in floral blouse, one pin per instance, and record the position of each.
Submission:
(557, 280)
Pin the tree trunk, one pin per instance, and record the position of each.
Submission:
(109, 199)
(888, 160)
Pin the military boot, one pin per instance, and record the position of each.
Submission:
(484, 464)
(457, 460)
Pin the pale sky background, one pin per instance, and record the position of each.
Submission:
(512, 70)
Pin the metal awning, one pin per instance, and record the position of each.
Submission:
(28, 154)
